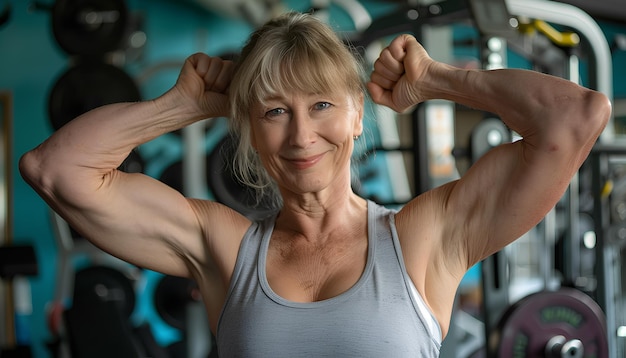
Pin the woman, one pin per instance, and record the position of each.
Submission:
(330, 274)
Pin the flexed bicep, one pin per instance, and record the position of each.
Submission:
(511, 188)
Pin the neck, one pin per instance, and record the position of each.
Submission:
(313, 217)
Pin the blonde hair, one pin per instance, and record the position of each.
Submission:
(294, 52)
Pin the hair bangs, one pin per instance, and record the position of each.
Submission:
(299, 72)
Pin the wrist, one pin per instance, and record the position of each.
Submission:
(442, 81)
(178, 108)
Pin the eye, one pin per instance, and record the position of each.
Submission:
(322, 105)
(275, 112)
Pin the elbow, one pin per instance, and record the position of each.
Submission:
(31, 169)
(28, 166)
(589, 115)
(40, 173)
(600, 110)
(56, 180)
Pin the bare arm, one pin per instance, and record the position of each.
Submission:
(510, 189)
(133, 216)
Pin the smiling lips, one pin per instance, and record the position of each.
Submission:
(305, 163)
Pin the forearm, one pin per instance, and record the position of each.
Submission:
(95, 144)
(106, 135)
(528, 102)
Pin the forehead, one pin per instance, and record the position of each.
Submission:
(305, 78)
(296, 95)
(305, 85)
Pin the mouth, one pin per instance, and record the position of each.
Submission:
(305, 163)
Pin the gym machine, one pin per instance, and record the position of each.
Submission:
(551, 319)
(556, 320)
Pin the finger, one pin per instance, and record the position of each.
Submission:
(387, 61)
(213, 70)
(382, 81)
(200, 63)
(412, 45)
(383, 71)
(378, 94)
(416, 59)
(397, 47)
(223, 79)
(193, 59)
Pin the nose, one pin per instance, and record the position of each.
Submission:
(301, 129)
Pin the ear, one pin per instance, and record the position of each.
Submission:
(358, 121)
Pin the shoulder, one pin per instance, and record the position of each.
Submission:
(223, 229)
(421, 225)
(427, 211)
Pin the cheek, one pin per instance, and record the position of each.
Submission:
(342, 130)
(266, 139)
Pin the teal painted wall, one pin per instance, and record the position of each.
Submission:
(29, 63)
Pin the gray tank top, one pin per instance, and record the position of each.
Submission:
(382, 315)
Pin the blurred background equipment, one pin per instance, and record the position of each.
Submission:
(558, 291)
(89, 28)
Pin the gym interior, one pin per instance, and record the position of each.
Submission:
(559, 290)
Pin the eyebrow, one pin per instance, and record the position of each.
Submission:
(273, 98)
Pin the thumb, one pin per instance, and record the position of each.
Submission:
(416, 60)
(379, 95)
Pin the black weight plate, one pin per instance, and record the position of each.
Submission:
(527, 326)
(89, 27)
(104, 283)
(173, 176)
(221, 181)
(226, 188)
(87, 86)
(133, 163)
(171, 297)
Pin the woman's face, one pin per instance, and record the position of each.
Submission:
(305, 140)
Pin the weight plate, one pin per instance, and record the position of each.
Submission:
(171, 297)
(86, 86)
(89, 27)
(106, 284)
(227, 189)
(173, 176)
(221, 181)
(528, 325)
(134, 163)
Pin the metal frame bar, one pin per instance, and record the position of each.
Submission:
(571, 16)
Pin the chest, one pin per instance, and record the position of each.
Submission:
(371, 313)
(300, 271)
